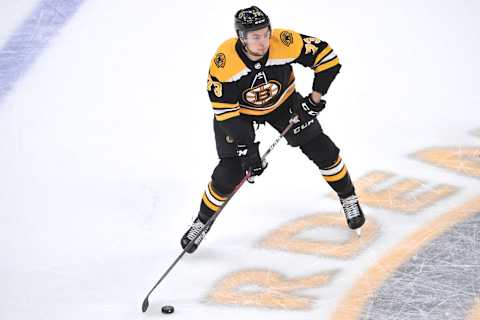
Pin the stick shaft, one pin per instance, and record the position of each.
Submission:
(292, 121)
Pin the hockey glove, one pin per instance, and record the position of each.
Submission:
(250, 159)
(310, 109)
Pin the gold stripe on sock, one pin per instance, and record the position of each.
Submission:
(208, 203)
(215, 194)
(338, 176)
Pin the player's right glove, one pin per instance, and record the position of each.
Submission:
(308, 109)
(250, 159)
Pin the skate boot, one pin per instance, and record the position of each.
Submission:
(192, 232)
(353, 212)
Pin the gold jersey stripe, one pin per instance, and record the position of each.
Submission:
(322, 55)
(282, 99)
(327, 65)
(221, 105)
(227, 115)
(338, 176)
(213, 193)
(209, 204)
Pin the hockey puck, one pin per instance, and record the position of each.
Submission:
(168, 309)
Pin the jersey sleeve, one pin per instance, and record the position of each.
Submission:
(223, 97)
(226, 68)
(319, 56)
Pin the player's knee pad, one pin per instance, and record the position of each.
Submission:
(227, 175)
(321, 150)
(303, 132)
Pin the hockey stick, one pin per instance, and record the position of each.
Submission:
(292, 121)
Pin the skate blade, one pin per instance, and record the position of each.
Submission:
(358, 231)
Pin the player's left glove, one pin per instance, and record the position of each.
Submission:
(250, 160)
(310, 108)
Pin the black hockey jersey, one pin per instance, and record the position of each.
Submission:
(237, 85)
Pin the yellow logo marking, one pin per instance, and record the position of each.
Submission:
(463, 160)
(217, 86)
(310, 45)
(286, 236)
(474, 313)
(286, 38)
(268, 289)
(352, 304)
(219, 60)
(406, 195)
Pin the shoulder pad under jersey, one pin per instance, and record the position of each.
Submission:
(285, 46)
(226, 65)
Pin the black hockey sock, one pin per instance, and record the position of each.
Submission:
(338, 178)
(211, 203)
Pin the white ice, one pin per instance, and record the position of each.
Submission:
(106, 146)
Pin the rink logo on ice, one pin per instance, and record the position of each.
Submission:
(411, 197)
(477, 240)
(425, 265)
(465, 160)
(474, 313)
(293, 236)
(268, 289)
(385, 190)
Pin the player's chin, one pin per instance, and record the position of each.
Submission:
(261, 53)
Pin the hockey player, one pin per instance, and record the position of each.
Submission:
(251, 79)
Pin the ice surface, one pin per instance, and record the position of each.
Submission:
(106, 146)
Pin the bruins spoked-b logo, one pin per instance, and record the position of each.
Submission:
(262, 91)
(219, 60)
(286, 38)
(261, 95)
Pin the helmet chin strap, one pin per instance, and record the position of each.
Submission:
(244, 45)
(244, 42)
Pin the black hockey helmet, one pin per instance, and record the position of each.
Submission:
(250, 19)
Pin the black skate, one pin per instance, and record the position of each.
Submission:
(192, 233)
(353, 212)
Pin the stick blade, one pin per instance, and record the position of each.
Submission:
(145, 305)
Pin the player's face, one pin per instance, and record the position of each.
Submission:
(258, 42)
